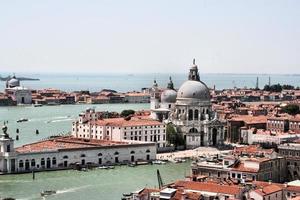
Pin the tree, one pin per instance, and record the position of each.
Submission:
(273, 88)
(288, 87)
(126, 113)
(291, 109)
(173, 137)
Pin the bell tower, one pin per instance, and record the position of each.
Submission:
(7, 152)
(155, 96)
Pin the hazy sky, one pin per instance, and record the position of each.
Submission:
(253, 36)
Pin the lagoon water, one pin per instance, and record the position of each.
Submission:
(72, 185)
(130, 82)
(97, 184)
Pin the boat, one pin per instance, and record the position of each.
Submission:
(158, 162)
(22, 120)
(37, 105)
(83, 169)
(52, 104)
(47, 192)
(103, 167)
(111, 167)
(131, 165)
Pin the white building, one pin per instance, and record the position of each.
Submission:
(190, 110)
(139, 128)
(18, 93)
(259, 136)
(67, 152)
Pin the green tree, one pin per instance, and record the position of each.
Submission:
(126, 113)
(173, 137)
(273, 88)
(291, 109)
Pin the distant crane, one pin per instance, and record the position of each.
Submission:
(160, 182)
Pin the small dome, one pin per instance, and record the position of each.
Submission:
(14, 82)
(168, 96)
(194, 90)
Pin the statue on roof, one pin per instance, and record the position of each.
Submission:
(4, 130)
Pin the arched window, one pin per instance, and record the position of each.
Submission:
(196, 114)
(190, 114)
(53, 161)
(193, 130)
(65, 157)
(148, 151)
(99, 154)
(132, 152)
(32, 162)
(82, 155)
(43, 162)
(21, 164)
(116, 153)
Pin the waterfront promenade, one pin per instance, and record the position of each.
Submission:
(191, 153)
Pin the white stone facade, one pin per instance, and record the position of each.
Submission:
(190, 110)
(118, 129)
(54, 154)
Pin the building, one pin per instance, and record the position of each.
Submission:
(260, 136)
(68, 152)
(190, 110)
(242, 167)
(90, 125)
(137, 97)
(189, 190)
(19, 94)
(291, 152)
(238, 122)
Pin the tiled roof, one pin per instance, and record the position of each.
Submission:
(208, 187)
(241, 168)
(65, 143)
(250, 119)
(132, 122)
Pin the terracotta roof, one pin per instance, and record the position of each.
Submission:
(269, 189)
(209, 187)
(241, 167)
(248, 119)
(132, 122)
(252, 149)
(180, 194)
(65, 143)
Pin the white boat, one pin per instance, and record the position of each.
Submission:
(158, 162)
(37, 105)
(103, 167)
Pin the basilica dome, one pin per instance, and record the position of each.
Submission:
(194, 90)
(168, 96)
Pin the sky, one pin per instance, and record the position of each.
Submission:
(160, 36)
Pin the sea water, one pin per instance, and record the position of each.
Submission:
(134, 82)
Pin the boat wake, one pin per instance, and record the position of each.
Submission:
(60, 119)
(74, 189)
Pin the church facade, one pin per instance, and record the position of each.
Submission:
(189, 109)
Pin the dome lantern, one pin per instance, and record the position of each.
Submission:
(194, 74)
